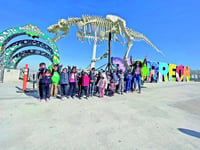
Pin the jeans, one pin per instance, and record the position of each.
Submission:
(72, 88)
(45, 91)
(137, 79)
(128, 85)
(121, 85)
(40, 90)
(64, 89)
(91, 88)
(84, 90)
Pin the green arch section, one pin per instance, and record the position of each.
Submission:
(29, 30)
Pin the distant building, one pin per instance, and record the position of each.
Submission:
(195, 75)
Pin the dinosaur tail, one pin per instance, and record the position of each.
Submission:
(139, 36)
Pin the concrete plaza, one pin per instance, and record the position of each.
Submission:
(165, 116)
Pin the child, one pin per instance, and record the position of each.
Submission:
(121, 82)
(112, 87)
(42, 70)
(108, 82)
(55, 80)
(102, 85)
(73, 81)
(128, 81)
(46, 84)
(85, 85)
(115, 78)
(64, 84)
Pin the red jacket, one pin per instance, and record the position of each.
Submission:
(85, 80)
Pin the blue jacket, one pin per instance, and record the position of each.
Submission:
(129, 77)
(115, 77)
(39, 74)
(45, 80)
(64, 78)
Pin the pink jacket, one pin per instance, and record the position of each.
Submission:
(102, 83)
(85, 80)
(112, 86)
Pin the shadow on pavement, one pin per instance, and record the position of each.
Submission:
(29, 92)
(190, 132)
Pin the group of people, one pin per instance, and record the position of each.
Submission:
(70, 83)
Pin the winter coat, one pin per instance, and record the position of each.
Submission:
(108, 78)
(102, 83)
(64, 78)
(129, 77)
(115, 77)
(39, 74)
(85, 80)
(97, 80)
(56, 77)
(121, 76)
(112, 86)
(73, 77)
(46, 79)
(92, 76)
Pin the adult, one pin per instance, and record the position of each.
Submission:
(137, 73)
(92, 81)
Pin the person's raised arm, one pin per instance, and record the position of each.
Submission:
(145, 60)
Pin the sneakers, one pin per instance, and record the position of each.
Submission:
(47, 99)
(42, 100)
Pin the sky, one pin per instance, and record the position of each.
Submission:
(172, 25)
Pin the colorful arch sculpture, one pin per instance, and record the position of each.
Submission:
(21, 55)
(30, 30)
(14, 47)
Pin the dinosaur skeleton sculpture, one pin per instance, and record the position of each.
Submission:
(90, 25)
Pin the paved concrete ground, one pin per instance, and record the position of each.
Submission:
(166, 116)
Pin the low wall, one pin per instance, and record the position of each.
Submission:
(11, 75)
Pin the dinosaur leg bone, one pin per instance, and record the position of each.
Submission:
(97, 59)
(129, 45)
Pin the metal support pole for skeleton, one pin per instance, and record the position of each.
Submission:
(94, 49)
(109, 52)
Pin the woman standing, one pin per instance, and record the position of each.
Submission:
(138, 73)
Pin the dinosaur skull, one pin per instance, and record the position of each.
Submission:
(62, 23)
